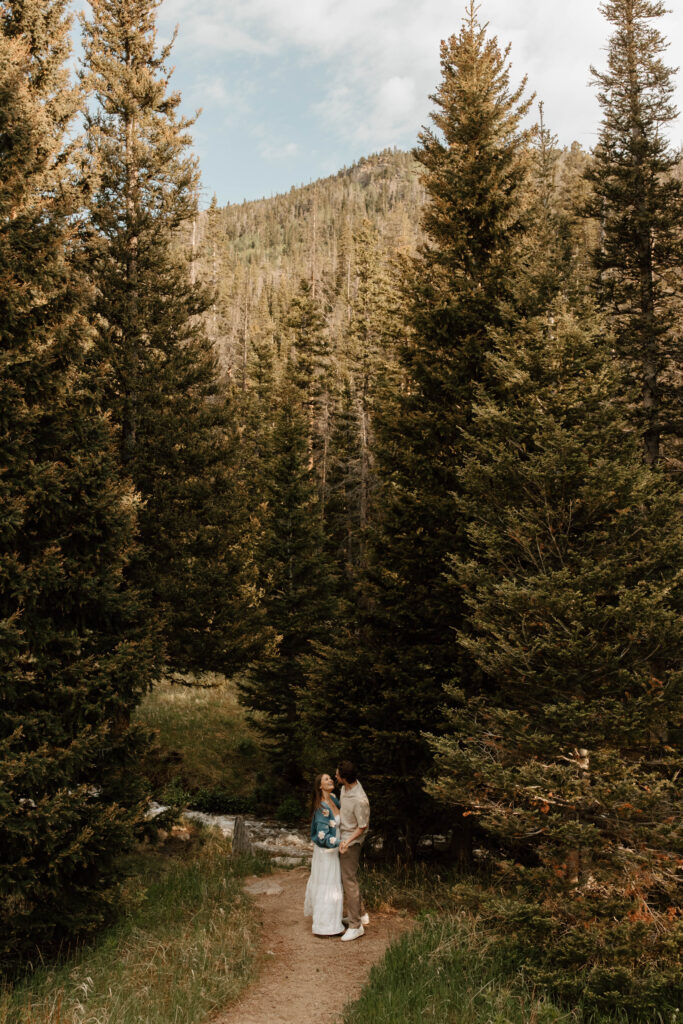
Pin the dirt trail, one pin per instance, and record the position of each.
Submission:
(293, 986)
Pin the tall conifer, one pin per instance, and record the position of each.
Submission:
(177, 430)
(475, 170)
(556, 255)
(309, 369)
(74, 657)
(640, 204)
(574, 594)
(352, 473)
(343, 534)
(298, 598)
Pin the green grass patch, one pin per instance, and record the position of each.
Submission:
(447, 972)
(185, 948)
(456, 967)
(209, 755)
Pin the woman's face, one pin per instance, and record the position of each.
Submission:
(326, 784)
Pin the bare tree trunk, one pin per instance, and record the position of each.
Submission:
(131, 354)
(245, 331)
(364, 478)
(193, 263)
(646, 331)
(314, 247)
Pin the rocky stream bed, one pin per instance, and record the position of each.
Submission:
(288, 847)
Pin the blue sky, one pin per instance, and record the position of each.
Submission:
(293, 90)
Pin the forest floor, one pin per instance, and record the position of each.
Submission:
(305, 979)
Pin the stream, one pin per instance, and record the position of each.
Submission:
(288, 847)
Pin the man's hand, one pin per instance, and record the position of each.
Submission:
(343, 847)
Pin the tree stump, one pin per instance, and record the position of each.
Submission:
(241, 843)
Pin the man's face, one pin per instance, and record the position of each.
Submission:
(338, 777)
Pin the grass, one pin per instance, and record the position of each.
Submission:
(447, 972)
(449, 969)
(207, 746)
(185, 948)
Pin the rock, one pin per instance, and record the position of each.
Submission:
(281, 850)
(224, 822)
(288, 862)
(264, 887)
(155, 809)
(241, 843)
(182, 833)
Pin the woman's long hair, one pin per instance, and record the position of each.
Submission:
(317, 793)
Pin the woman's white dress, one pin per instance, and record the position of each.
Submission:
(324, 898)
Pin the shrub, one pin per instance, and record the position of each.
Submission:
(217, 800)
(290, 810)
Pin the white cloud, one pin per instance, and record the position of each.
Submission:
(276, 152)
(209, 36)
(379, 58)
(396, 99)
(216, 90)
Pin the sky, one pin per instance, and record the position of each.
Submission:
(294, 90)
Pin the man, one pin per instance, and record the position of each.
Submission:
(355, 818)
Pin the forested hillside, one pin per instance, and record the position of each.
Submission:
(396, 456)
(257, 253)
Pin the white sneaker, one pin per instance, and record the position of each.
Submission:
(353, 933)
(365, 920)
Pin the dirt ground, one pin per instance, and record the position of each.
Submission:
(305, 979)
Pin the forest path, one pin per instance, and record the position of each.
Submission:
(305, 979)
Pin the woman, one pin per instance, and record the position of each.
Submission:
(324, 895)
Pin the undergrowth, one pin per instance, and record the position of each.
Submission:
(217, 769)
(446, 972)
(474, 958)
(184, 948)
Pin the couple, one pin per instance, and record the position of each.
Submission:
(338, 830)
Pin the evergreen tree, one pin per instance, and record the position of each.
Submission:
(372, 330)
(344, 482)
(309, 370)
(178, 435)
(298, 599)
(640, 204)
(74, 651)
(475, 170)
(555, 254)
(574, 593)
(352, 477)
(582, 233)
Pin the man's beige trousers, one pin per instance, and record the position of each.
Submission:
(349, 872)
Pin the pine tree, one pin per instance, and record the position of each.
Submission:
(342, 526)
(298, 596)
(475, 170)
(178, 433)
(372, 330)
(582, 233)
(75, 656)
(574, 594)
(555, 254)
(309, 368)
(351, 481)
(640, 204)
